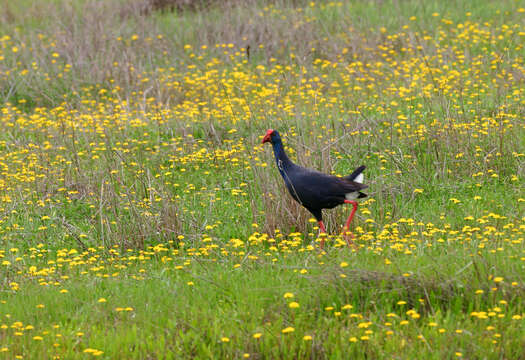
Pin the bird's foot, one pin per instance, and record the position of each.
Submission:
(322, 237)
(349, 236)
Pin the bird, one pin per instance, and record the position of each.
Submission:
(314, 190)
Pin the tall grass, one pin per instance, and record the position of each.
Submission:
(113, 50)
(140, 215)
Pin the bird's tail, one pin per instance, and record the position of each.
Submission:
(357, 175)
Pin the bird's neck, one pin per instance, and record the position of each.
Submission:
(282, 160)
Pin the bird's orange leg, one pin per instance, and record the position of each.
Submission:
(346, 229)
(323, 230)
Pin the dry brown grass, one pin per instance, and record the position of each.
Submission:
(201, 5)
(115, 42)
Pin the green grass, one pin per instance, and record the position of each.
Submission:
(171, 318)
(140, 217)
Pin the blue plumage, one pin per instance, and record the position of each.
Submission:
(312, 189)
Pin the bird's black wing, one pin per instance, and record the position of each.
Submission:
(316, 190)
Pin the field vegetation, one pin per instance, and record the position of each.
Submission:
(140, 217)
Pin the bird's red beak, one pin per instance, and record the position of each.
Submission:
(268, 136)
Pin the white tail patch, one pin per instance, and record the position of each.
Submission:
(352, 195)
(359, 178)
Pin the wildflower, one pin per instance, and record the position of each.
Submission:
(93, 352)
(287, 330)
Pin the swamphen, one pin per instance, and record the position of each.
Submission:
(314, 190)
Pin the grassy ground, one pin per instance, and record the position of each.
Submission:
(140, 217)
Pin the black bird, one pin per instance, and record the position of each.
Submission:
(314, 190)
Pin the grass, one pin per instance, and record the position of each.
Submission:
(126, 293)
(140, 216)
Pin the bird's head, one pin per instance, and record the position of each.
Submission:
(271, 136)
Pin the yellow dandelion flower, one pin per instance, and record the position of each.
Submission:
(293, 305)
(287, 330)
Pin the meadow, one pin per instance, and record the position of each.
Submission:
(142, 218)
